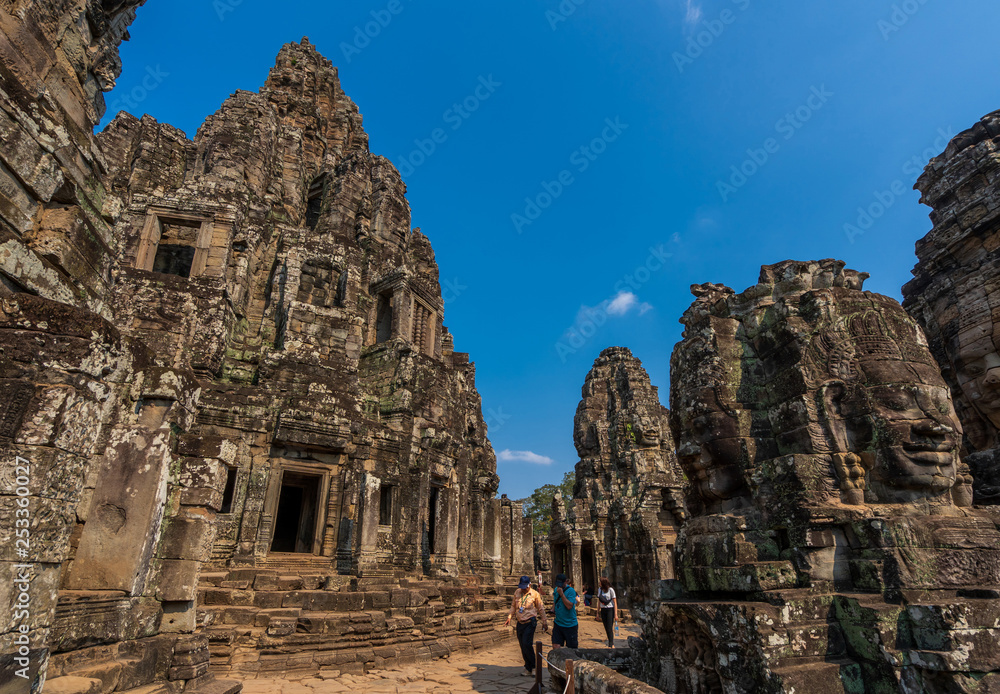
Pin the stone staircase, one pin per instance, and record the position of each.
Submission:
(165, 664)
(268, 623)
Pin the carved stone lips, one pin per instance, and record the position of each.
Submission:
(931, 455)
(929, 447)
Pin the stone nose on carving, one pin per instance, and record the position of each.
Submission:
(992, 377)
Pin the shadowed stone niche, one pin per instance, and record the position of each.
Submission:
(832, 543)
(955, 292)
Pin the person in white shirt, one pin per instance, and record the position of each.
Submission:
(609, 609)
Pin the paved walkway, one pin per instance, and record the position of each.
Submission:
(498, 669)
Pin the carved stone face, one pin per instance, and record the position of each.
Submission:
(710, 455)
(907, 432)
(977, 369)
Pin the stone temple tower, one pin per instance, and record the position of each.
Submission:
(226, 362)
(627, 503)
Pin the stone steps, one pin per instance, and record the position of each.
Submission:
(84, 685)
(263, 621)
(183, 663)
(253, 653)
(73, 685)
(813, 674)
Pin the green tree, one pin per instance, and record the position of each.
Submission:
(538, 506)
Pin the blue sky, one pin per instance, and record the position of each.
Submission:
(615, 154)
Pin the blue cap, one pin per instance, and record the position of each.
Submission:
(525, 582)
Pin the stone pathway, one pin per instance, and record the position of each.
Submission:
(498, 669)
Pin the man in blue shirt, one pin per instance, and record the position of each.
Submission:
(566, 630)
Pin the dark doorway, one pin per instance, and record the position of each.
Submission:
(230, 494)
(295, 521)
(589, 568)
(383, 323)
(432, 512)
(385, 505)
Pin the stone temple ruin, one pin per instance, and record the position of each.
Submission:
(236, 439)
(840, 470)
(628, 499)
(832, 545)
(954, 294)
(231, 402)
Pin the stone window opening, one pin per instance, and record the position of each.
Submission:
(295, 522)
(341, 289)
(383, 320)
(229, 495)
(176, 249)
(432, 513)
(314, 201)
(386, 493)
(174, 244)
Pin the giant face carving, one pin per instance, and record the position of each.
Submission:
(710, 453)
(806, 365)
(977, 367)
(891, 407)
(910, 440)
(705, 412)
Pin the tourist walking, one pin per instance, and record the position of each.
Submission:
(566, 630)
(528, 608)
(609, 609)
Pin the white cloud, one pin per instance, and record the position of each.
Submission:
(693, 12)
(590, 318)
(623, 302)
(524, 457)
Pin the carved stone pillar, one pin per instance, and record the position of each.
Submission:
(445, 557)
(576, 564)
(367, 559)
(491, 539)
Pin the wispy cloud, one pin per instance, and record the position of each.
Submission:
(623, 302)
(692, 14)
(524, 457)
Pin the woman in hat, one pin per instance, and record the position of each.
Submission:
(528, 608)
